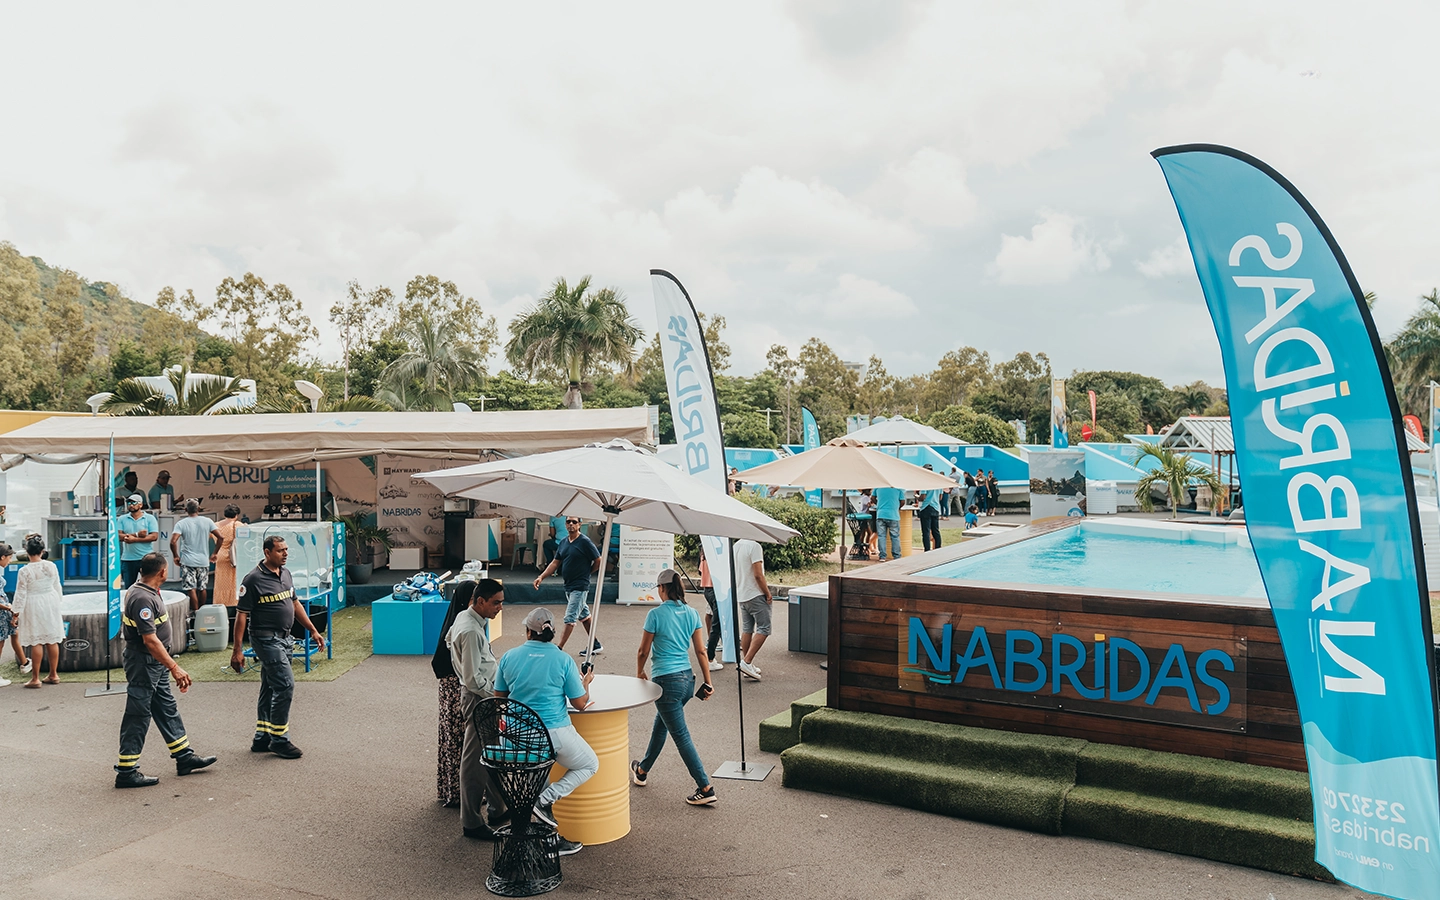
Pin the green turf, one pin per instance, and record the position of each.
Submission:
(781, 731)
(1216, 809)
(351, 633)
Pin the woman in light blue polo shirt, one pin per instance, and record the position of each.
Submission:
(672, 631)
(542, 676)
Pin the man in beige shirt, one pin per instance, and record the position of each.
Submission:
(475, 665)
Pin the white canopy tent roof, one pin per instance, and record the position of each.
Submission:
(299, 438)
(1215, 435)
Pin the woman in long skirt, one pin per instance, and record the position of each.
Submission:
(452, 720)
(37, 602)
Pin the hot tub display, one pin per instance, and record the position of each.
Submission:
(1126, 631)
(87, 624)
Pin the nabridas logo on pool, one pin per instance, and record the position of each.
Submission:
(1079, 665)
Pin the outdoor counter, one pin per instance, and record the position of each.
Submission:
(598, 811)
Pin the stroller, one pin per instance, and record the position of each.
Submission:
(862, 526)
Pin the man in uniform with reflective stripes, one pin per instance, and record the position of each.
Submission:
(268, 608)
(148, 667)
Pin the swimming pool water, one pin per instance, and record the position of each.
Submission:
(1163, 561)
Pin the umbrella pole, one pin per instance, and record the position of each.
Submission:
(594, 637)
(740, 771)
(844, 523)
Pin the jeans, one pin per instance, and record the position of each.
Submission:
(576, 609)
(277, 684)
(129, 571)
(676, 690)
(889, 528)
(147, 697)
(574, 756)
(712, 642)
(929, 525)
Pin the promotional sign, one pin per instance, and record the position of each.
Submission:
(414, 511)
(216, 485)
(643, 554)
(1083, 665)
(1059, 415)
(696, 418)
(112, 551)
(1330, 507)
(811, 434)
(1057, 484)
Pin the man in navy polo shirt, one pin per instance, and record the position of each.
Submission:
(576, 556)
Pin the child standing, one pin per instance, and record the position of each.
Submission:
(9, 620)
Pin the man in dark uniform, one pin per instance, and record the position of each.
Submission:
(268, 606)
(148, 667)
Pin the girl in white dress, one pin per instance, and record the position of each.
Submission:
(37, 601)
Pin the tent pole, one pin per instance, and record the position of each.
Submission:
(739, 657)
(594, 637)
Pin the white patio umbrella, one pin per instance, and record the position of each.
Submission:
(845, 464)
(901, 430)
(614, 481)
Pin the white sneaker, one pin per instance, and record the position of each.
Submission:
(716, 665)
(4, 681)
(25, 669)
(749, 671)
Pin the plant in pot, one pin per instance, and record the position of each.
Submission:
(362, 536)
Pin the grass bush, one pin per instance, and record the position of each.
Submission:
(817, 538)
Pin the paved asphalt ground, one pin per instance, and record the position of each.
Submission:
(357, 817)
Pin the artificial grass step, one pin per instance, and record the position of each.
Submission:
(1002, 798)
(1216, 809)
(782, 730)
(1228, 835)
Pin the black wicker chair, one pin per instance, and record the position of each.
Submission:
(519, 755)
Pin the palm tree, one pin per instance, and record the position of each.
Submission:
(1415, 351)
(574, 332)
(1175, 471)
(192, 396)
(441, 363)
(291, 402)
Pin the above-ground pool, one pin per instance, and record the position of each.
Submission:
(1136, 555)
(87, 622)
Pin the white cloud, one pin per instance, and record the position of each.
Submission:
(853, 296)
(1167, 261)
(1057, 249)
(929, 188)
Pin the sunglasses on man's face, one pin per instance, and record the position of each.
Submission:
(572, 521)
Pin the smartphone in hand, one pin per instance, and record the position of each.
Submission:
(704, 692)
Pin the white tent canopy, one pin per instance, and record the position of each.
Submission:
(299, 438)
(900, 430)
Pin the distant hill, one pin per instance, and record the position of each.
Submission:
(115, 316)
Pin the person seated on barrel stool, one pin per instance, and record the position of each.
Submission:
(148, 668)
(542, 676)
(474, 663)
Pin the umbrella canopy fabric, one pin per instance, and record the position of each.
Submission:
(614, 480)
(846, 464)
(901, 430)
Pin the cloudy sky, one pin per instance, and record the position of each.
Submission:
(896, 178)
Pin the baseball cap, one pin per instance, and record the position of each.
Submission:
(538, 618)
(136, 498)
(667, 576)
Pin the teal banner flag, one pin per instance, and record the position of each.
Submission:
(811, 440)
(1330, 506)
(112, 548)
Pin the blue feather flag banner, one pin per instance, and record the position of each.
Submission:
(811, 434)
(1330, 506)
(112, 549)
(696, 417)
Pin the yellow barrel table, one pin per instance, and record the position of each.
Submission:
(598, 811)
(907, 530)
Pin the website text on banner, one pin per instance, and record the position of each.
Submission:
(1330, 507)
(811, 432)
(697, 424)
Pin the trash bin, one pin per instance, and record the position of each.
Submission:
(212, 628)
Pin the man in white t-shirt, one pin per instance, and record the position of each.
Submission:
(190, 545)
(755, 600)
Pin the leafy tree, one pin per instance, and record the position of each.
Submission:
(879, 391)
(295, 402)
(369, 361)
(607, 393)
(358, 316)
(1115, 412)
(192, 397)
(1019, 389)
(72, 341)
(573, 331)
(1415, 349)
(437, 365)
(958, 375)
(507, 392)
(129, 360)
(974, 427)
(20, 300)
(1176, 472)
(784, 370)
(828, 387)
(445, 302)
(747, 429)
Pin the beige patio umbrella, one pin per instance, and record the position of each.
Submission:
(846, 464)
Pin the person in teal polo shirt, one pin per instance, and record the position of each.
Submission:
(887, 519)
(672, 632)
(138, 532)
(542, 676)
(930, 517)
